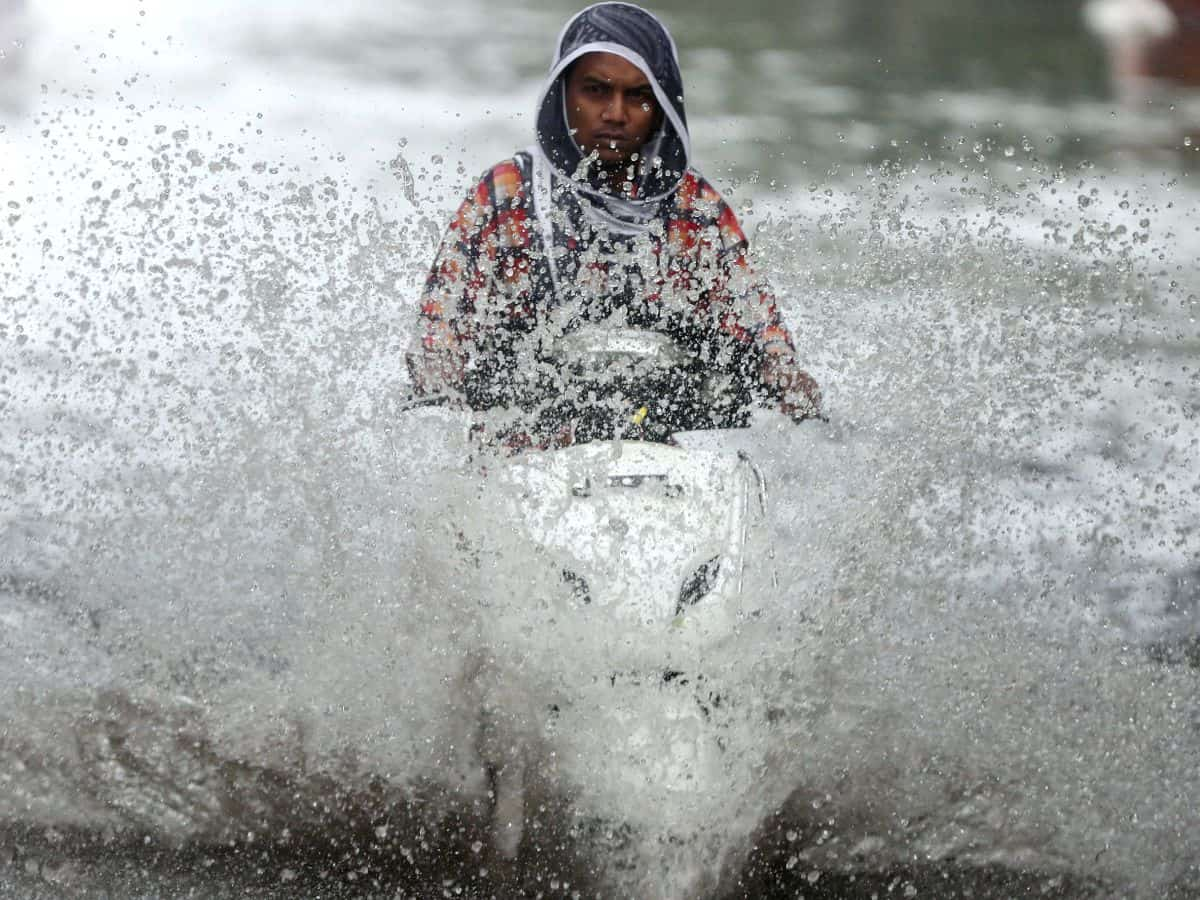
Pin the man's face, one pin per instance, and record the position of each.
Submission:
(610, 106)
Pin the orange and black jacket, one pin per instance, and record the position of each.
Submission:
(688, 274)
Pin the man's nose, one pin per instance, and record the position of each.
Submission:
(614, 109)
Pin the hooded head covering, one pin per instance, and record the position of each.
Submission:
(636, 35)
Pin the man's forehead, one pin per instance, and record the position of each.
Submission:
(609, 67)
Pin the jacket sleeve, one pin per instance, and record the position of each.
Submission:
(479, 281)
(454, 289)
(742, 301)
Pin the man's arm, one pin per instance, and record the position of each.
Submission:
(437, 364)
(749, 313)
(479, 269)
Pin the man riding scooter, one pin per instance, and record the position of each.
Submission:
(601, 220)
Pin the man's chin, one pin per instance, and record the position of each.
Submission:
(610, 156)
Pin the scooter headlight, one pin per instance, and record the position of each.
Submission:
(577, 585)
(697, 585)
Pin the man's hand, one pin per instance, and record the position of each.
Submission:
(434, 373)
(798, 393)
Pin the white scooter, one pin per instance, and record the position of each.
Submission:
(614, 576)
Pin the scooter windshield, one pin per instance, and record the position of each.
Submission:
(601, 383)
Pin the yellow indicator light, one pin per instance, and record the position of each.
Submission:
(640, 416)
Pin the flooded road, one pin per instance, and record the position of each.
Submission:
(232, 666)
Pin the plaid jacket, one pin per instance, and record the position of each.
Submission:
(693, 277)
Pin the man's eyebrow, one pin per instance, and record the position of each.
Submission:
(596, 79)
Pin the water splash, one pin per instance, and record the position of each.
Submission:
(218, 621)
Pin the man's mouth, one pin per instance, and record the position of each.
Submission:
(610, 138)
